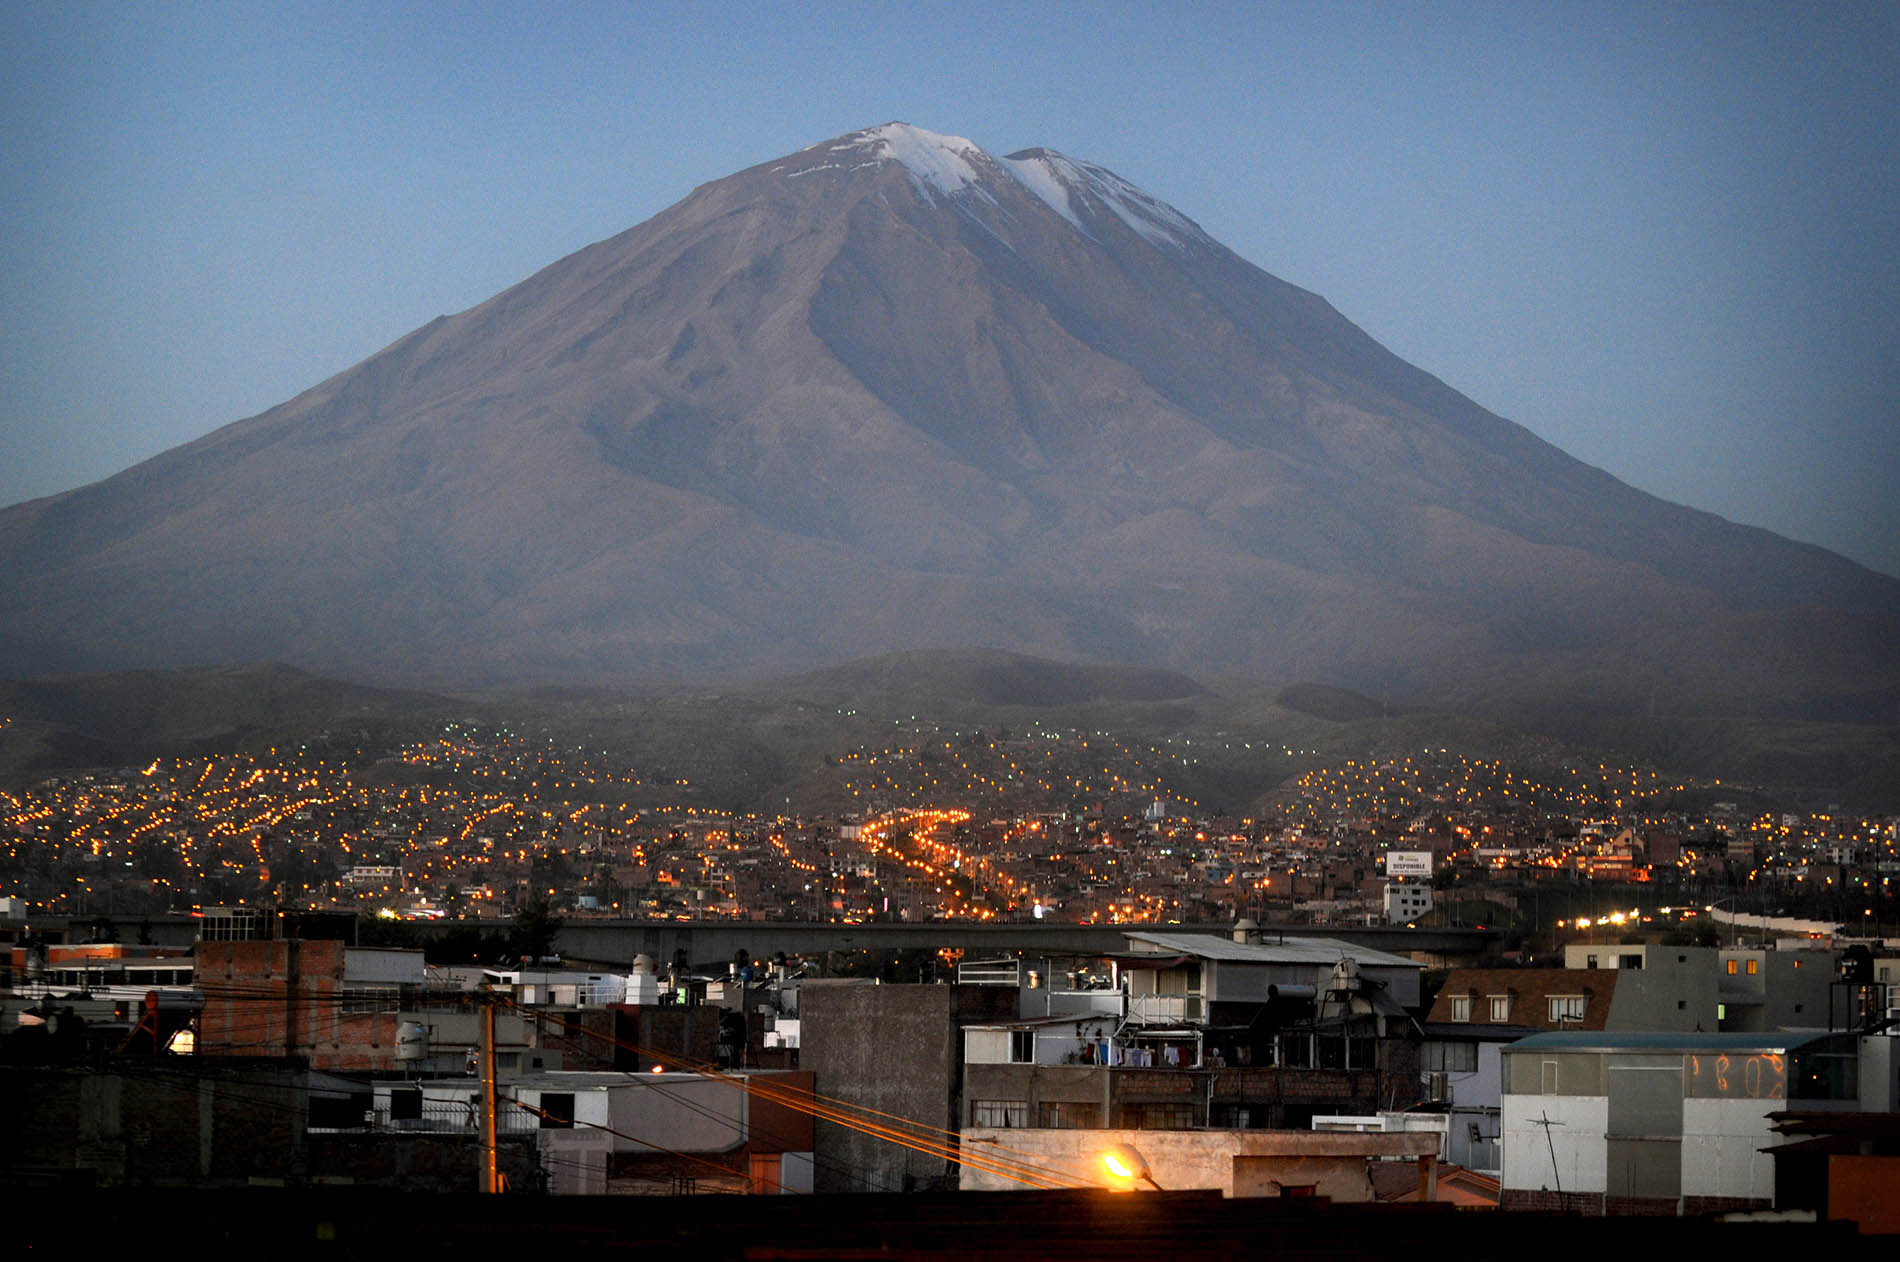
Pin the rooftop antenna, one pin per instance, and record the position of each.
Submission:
(1543, 1120)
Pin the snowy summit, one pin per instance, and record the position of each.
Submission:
(944, 163)
(941, 165)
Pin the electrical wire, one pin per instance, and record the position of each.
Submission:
(1003, 1161)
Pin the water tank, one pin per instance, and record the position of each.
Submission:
(1246, 930)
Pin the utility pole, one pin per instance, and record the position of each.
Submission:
(491, 1174)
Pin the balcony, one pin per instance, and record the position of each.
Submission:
(1166, 1010)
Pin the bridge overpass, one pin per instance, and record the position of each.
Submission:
(614, 943)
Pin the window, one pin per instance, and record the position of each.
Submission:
(1350, 1052)
(1022, 1047)
(1753, 965)
(1631, 960)
(1158, 1117)
(1500, 1008)
(1067, 1115)
(1732, 970)
(557, 1110)
(1447, 1056)
(1461, 1008)
(1566, 1008)
(1589, 961)
(999, 1113)
(405, 1106)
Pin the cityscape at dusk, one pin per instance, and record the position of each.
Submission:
(1175, 631)
(946, 825)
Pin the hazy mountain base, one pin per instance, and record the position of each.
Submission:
(771, 745)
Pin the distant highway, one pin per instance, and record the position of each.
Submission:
(616, 942)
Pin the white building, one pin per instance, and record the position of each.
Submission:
(1604, 1122)
(1406, 901)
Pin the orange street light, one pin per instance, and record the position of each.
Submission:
(1125, 1161)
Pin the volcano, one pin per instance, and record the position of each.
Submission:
(893, 392)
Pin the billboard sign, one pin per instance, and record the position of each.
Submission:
(1408, 863)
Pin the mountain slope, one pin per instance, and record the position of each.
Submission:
(893, 392)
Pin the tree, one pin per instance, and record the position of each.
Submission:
(536, 927)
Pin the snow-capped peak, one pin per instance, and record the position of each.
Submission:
(1060, 181)
(954, 168)
(944, 163)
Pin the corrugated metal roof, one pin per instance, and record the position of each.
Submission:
(1327, 951)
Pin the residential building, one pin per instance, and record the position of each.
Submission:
(1659, 1122)
(1215, 1033)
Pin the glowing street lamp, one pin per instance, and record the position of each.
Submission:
(1125, 1161)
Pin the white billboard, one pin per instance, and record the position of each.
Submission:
(1408, 863)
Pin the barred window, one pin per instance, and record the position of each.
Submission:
(999, 1113)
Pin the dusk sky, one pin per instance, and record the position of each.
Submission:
(1664, 237)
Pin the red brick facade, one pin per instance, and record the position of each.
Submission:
(286, 998)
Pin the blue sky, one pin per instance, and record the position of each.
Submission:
(1664, 237)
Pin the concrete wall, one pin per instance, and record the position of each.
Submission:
(176, 1121)
(1234, 1163)
(897, 1049)
(1721, 1140)
(1578, 1131)
(1676, 989)
(1879, 1073)
(1689, 988)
